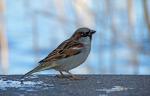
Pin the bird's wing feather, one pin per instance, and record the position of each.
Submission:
(66, 49)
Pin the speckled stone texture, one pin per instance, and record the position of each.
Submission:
(93, 85)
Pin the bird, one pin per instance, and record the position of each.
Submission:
(68, 55)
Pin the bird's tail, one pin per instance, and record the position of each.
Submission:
(37, 69)
(29, 73)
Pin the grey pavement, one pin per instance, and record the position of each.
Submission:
(93, 85)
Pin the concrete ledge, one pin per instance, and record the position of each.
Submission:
(94, 85)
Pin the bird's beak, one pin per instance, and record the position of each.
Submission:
(92, 31)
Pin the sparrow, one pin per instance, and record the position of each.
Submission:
(68, 55)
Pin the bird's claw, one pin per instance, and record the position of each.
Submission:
(62, 76)
(70, 77)
(76, 78)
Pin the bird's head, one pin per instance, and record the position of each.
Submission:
(83, 33)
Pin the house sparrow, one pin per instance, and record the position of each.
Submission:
(68, 55)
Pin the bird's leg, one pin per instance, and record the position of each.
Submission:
(72, 77)
(61, 75)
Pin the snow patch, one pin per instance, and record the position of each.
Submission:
(114, 89)
(4, 85)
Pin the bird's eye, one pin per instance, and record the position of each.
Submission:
(87, 33)
(82, 34)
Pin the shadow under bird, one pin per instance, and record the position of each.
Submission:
(69, 54)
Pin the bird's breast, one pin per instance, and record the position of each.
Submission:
(74, 61)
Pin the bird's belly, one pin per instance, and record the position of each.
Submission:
(72, 62)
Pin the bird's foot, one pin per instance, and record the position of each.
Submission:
(70, 77)
(76, 78)
(62, 76)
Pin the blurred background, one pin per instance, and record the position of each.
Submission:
(30, 29)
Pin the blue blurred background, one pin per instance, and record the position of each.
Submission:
(30, 29)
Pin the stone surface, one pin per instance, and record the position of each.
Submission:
(93, 85)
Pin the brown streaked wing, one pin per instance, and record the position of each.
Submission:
(64, 50)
